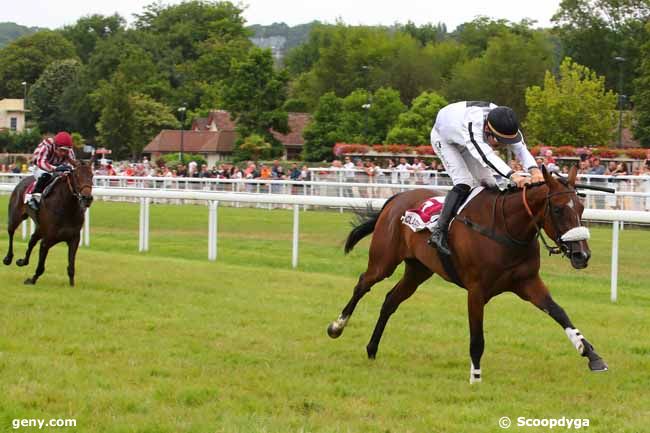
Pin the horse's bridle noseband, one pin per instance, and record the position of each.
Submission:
(562, 247)
(76, 192)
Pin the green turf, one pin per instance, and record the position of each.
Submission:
(169, 342)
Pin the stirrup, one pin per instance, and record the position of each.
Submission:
(438, 239)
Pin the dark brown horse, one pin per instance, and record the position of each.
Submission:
(59, 219)
(495, 249)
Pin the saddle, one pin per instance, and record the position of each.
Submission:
(46, 190)
(426, 214)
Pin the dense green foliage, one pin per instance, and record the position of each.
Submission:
(169, 342)
(199, 54)
(573, 109)
(642, 96)
(10, 31)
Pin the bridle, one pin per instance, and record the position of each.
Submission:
(575, 234)
(76, 191)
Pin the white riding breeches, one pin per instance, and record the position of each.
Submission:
(38, 172)
(460, 165)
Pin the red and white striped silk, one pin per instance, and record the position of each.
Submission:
(46, 158)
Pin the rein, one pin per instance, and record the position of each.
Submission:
(551, 249)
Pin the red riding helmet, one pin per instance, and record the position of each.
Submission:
(63, 140)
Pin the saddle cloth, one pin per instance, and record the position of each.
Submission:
(30, 188)
(426, 215)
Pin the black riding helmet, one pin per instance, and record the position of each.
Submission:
(504, 126)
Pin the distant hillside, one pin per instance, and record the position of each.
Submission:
(11, 31)
(280, 37)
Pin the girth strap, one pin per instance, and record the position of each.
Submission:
(490, 233)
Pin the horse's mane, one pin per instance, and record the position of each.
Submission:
(512, 189)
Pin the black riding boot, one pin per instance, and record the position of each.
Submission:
(454, 199)
(41, 183)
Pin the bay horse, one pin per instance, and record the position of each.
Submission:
(495, 249)
(59, 219)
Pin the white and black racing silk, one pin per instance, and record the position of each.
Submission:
(461, 123)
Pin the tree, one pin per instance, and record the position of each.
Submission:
(642, 97)
(116, 122)
(574, 109)
(45, 95)
(594, 32)
(255, 96)
(324, 129)
(414, 126)
(87, 31)
(24, 59)
(150, 117)
(510, 64)
(254, 146)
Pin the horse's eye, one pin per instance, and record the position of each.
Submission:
(557, 210)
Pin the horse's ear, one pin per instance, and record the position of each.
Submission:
(547, 175)
(573, 173)
(75, 163)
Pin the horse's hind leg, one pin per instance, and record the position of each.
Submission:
(33, 240)
(377, 271)
(536, 292)
(15, 218)
(73, 244)
(42, 256)
(414, 275)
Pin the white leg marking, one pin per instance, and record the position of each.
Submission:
(576, 338)
(474, 374)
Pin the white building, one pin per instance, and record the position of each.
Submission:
(12, 114)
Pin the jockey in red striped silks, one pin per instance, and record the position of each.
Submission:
(52, 154)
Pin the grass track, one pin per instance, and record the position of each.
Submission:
(168, 342)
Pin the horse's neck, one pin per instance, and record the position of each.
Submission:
(519, 220)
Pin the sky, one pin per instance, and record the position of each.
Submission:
(57, 13)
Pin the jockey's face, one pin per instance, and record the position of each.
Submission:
(489, 137)
(60, 152)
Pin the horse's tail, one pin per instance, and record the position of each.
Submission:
(364, 225)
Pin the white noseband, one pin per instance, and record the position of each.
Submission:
(576, 234)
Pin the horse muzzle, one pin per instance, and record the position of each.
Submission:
(86, 200)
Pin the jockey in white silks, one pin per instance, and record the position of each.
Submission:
(463, 137)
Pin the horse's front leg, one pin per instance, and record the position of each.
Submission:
(73, 245)
(538, 294)
(42, 256)
(33, 240)
(475, 307)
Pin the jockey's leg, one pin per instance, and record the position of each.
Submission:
(453, 201)
(536, 292)
(461, 176)
(483, 175)
(41, 183)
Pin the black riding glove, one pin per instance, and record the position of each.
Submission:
(63, 168)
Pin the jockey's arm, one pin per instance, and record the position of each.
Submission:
(527, 160)
(41, 156)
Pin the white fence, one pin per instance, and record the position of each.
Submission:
(213, 198)
(632, 192)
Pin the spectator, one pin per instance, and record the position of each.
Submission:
(404, 169)
(294, 174)
(349, 170)
(277, 171)
(597, 169)
(305, 174)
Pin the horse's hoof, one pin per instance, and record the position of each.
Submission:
(372, 352)
(334, 331)
(21, 262)
(29, 282)
(598, 365)
(7, 260)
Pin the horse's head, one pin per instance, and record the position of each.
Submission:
(562, 221)
(81, 182)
